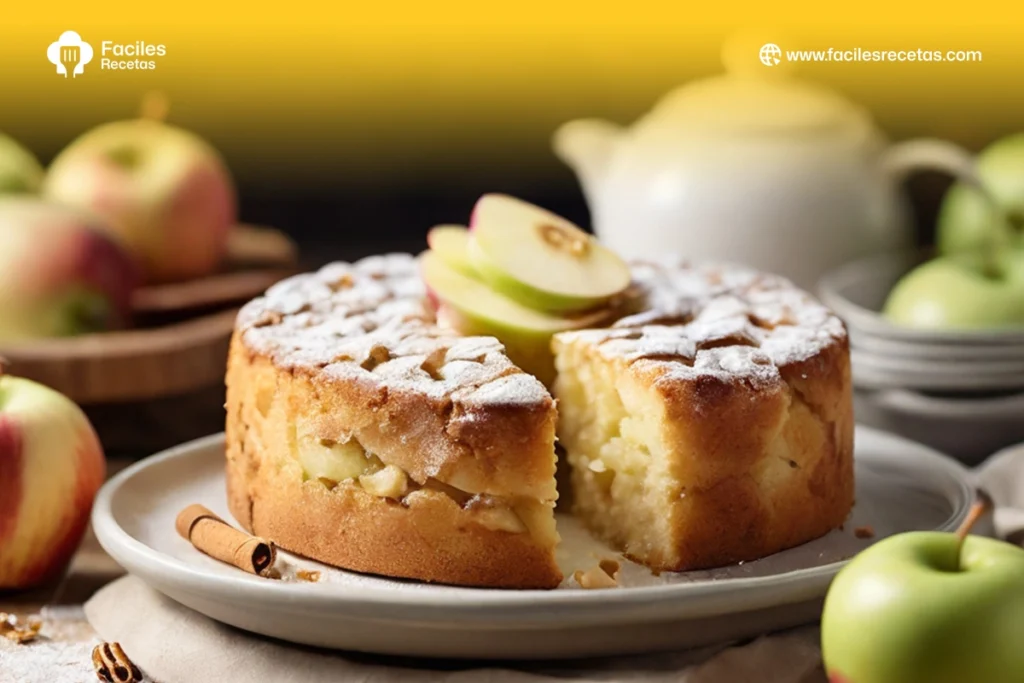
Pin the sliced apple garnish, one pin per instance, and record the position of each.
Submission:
(475, 299)
(451, 243)
(540, 259)
(472, 308)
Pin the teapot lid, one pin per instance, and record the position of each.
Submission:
(750, 105)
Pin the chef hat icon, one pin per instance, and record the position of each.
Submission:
(77, 57)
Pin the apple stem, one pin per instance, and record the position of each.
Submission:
(155, 106)
(977, 511)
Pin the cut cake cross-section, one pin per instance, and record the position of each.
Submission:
(714, 428)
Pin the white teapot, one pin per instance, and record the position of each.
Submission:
(779, 174)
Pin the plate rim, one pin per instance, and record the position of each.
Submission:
(480, 606)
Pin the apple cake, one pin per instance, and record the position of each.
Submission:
(713, 427)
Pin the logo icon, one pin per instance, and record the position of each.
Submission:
(69, 54)
(770, 54)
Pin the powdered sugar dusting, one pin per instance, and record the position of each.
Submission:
(516, 389)
(717, 320)
(371, 321)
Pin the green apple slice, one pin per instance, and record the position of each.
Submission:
(451, 243)
(540, 259)
(476, 300)
(472, 308)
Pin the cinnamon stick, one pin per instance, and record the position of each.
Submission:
(213, 536)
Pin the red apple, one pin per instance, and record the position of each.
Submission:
(51, 465)
(165, 192)
(60, 274)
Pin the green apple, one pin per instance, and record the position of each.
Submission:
(451, 243)
(966, 221)
(919, 607)
(957, 293)
(541, 260)
(471, 307)
(164, 192)
(19, 169)
(60, 273)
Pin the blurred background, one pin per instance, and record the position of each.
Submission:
(355, 131)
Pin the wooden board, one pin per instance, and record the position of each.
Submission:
(129, 365)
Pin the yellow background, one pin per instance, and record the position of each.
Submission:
(292, 92)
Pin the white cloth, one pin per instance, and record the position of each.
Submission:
(176, 645)
(173, 644)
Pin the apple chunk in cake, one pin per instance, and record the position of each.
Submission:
(693, 449)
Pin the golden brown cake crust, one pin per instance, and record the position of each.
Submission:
(731, 436)
(428, 536)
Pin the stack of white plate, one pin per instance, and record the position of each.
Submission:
(959, 391)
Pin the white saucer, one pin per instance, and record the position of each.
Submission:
(901, 486)
(879, 372)
(969, 428)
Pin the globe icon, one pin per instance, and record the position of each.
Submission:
(770, 54)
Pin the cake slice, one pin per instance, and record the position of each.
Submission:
(714, 428)
(362, 435)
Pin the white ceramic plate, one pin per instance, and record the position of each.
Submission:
(968, 428)
(937, 352)
(901, 486)
(874, 372)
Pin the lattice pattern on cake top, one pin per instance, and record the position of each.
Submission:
(717, 319)
(371, 320)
